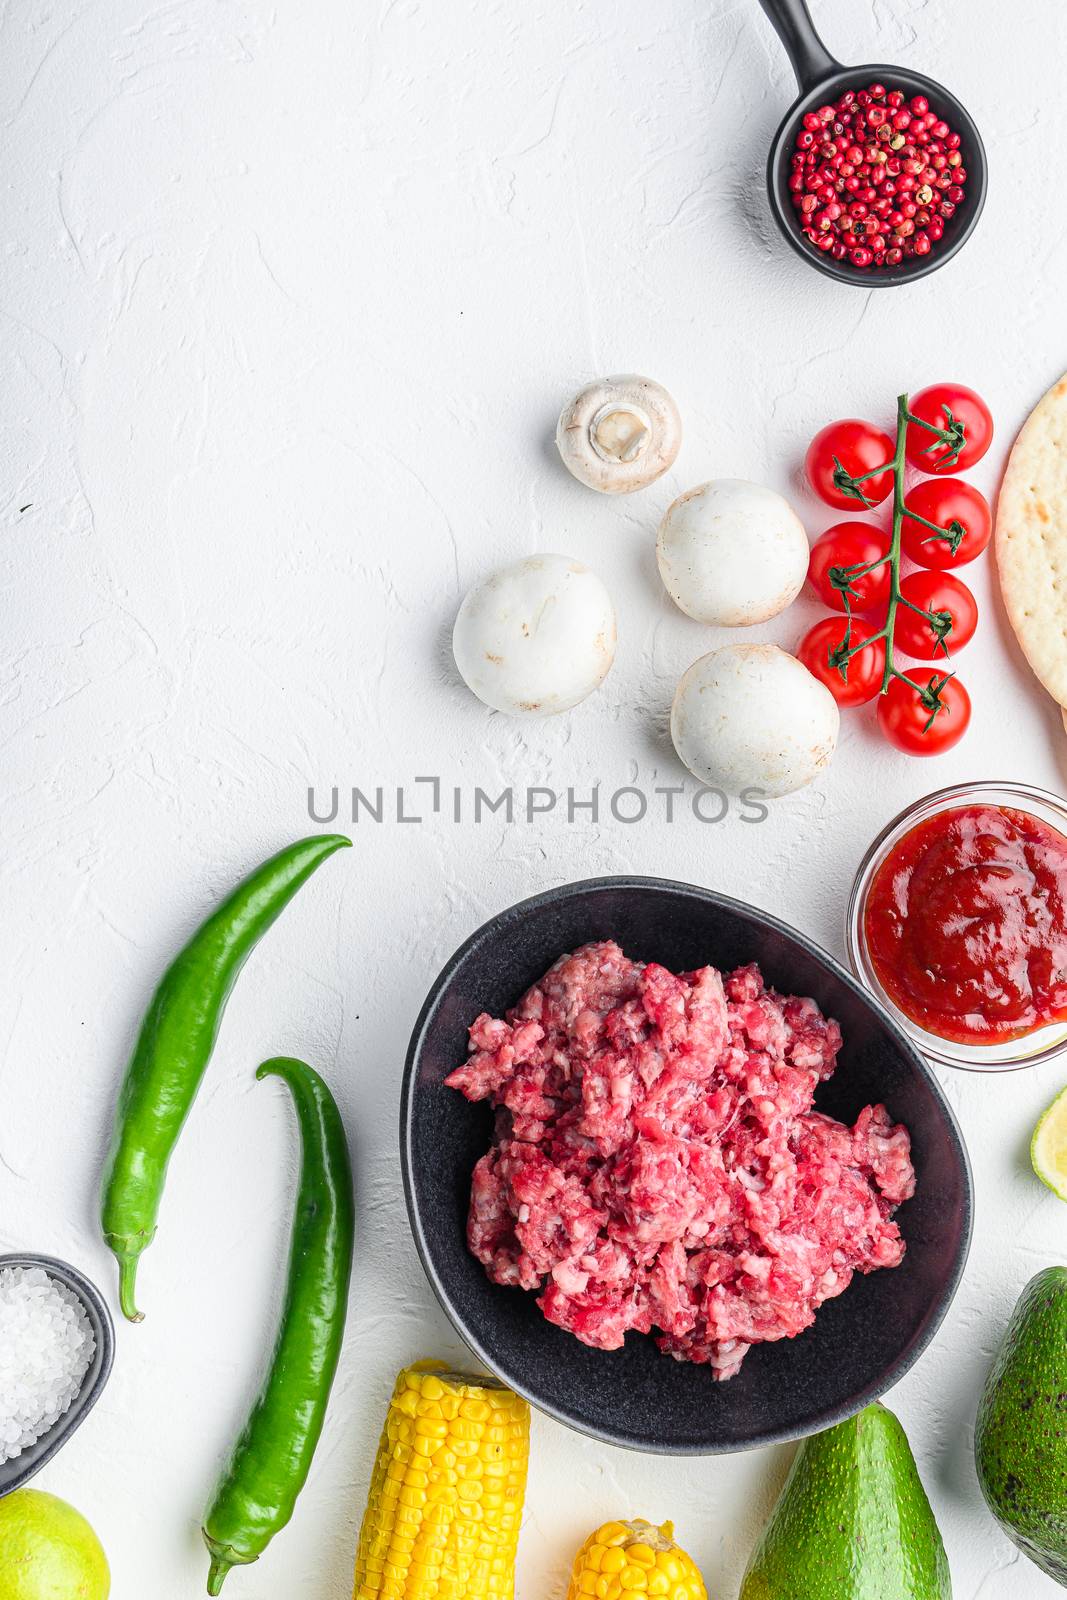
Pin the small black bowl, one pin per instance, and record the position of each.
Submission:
(15, 1474)
(823, 79)
(860, 1344)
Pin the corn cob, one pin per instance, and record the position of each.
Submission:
(442, 1517)
(624, 1559)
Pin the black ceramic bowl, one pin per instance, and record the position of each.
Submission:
(821, 80)
(14, 1474)
(860, 1344)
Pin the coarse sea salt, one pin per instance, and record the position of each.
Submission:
(46, 1347)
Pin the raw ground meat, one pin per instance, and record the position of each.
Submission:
(657, 1163)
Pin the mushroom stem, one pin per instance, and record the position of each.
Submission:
(620, 433)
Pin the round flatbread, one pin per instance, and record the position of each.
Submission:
(1031, 540)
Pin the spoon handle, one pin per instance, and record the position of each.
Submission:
(811, 61)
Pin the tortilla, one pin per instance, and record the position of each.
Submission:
(1031, 541)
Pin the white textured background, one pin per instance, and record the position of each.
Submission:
(290, 297)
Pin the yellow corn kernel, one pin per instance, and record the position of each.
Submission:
(442, 1517)
(626, 1560)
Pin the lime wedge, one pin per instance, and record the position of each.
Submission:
(1048, 1147)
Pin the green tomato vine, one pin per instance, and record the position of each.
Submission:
(953, 437)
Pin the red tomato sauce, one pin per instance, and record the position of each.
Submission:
(966, 924)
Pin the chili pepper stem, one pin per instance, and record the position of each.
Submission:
(217, 1574)
(127, 1286)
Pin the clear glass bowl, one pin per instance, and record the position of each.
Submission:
(1037, 1047)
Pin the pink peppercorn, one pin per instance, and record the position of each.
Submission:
(875, 176)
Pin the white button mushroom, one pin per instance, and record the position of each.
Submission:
(535, 637)
(751, 716)
(732, 553)
(619, 434)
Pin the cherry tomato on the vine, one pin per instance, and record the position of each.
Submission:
(959, 410)
(947, 598)
(850, 544)
(863, 671)
(844, 450)
(929, 723)
(957, 507)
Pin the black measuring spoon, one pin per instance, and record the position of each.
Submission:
(822, 80)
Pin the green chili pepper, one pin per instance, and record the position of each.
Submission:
(174, 1046)
(271, 1459)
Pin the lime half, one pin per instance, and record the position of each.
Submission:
(1048, 1147)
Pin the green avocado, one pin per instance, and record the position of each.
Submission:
(852, 1522)
(1020, 1438)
